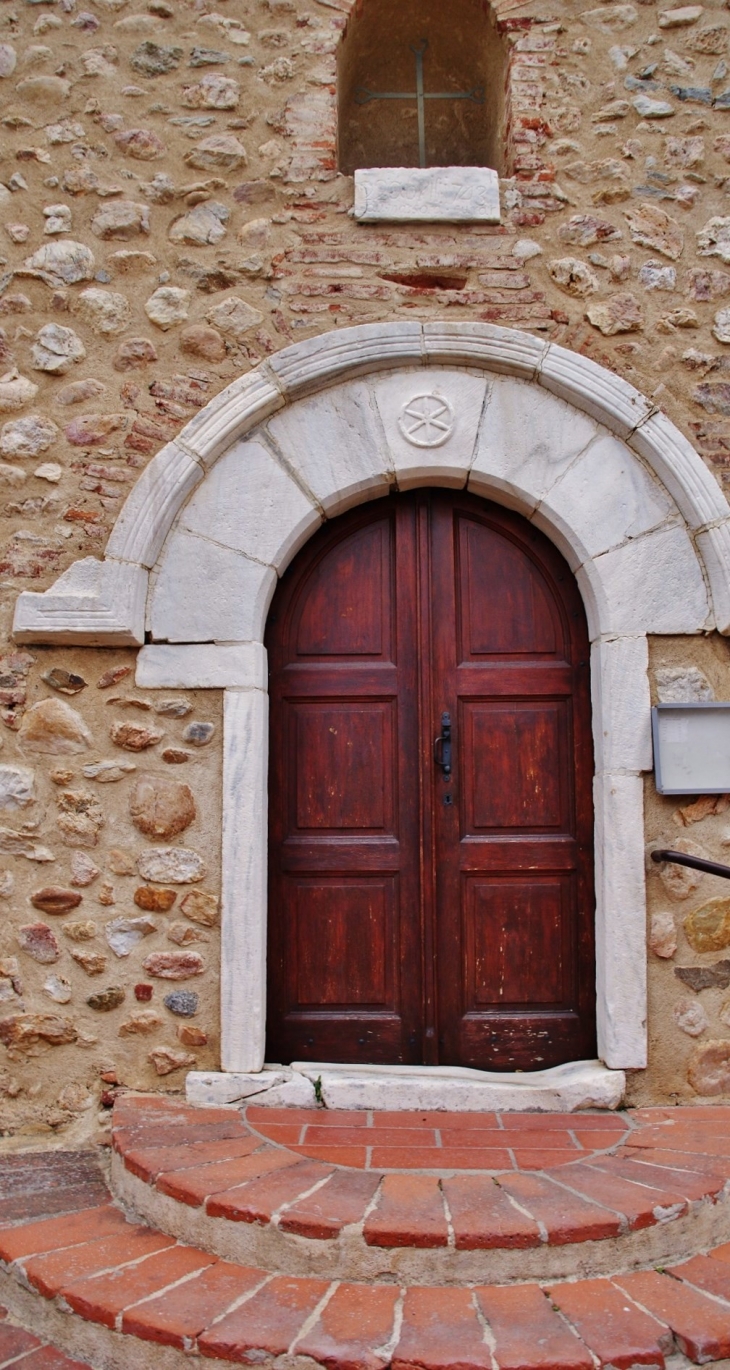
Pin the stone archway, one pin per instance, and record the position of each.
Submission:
(340, 419)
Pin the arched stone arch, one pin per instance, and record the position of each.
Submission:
(331, 422)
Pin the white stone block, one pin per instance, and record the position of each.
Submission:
(577, 1085)
(250, 503)
(620, 921)
(245, 836)
(595, 390)
(204, 666)
(714, 548)
(217, 1088)
(334, 443)
(447, 194)
(502, 350)
(621, 704)
(431, 420)
(651, 585)
(681, 470)
(203, 592)
(526, 441)
(150, 508)
(310, 364)
(93, 602)
(604, 498)
(240, 407)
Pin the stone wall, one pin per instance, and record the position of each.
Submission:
(171, 213)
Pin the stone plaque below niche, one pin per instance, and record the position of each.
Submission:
(436, 194)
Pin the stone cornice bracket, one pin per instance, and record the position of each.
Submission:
(92, 602)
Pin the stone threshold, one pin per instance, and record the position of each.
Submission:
(304, 1084)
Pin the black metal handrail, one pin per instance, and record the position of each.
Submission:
(696, 863)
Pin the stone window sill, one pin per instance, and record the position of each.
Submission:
(451, 194)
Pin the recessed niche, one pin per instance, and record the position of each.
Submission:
(455, 50)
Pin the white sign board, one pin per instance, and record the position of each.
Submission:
(446, 194)
(691, 748)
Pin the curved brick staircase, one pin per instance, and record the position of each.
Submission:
(357, 1242)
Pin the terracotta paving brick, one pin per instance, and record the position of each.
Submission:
(50, 1358)
(528, 1333)
(149, 1162)
(103, 1297)
(162, 1134)
(705, 1140)
(594, 1140)
(376, 1136)
(14, 1341)
(57, 1233)
(267, 1322)
(697, 1164)
(554, 1139)
(354, 1156)
(685, 1183)
(358, 1318)
(701, 1326)
(50, 1273)
(181, 1314)
(483, 1217)
(441, 1331)
(636, 1202)
(611, 1325)
(53, 1200)
(256, 1202)
(343, 1200)
(439, 1158)
(566, 1218)
(492, 1138)
(284, 1134)
(722, 1253)
(324, 1117)
(706, 1273)
(193, 1186)
(538, 1159)
(410, 1212)
(436, 1118)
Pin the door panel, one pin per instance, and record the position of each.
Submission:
(417, 916)
(343, 931)
(519, 781)
(345, 778)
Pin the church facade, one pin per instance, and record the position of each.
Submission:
(365, 467)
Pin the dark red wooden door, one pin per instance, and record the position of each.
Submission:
(418, 915)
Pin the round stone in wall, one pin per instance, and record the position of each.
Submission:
(161, 808)
(709, 1070)
(171, 865)
(54, 728)
(183, 1002)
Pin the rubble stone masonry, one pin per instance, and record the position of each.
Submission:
(171, 213)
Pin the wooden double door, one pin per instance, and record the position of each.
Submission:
(431, 861)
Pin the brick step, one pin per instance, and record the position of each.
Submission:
(23, 1350)
(103, 1287)
(287, 1189)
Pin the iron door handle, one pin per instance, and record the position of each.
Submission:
(442, 746)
